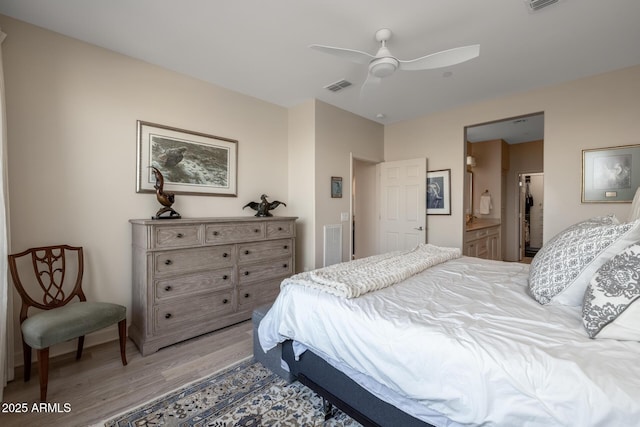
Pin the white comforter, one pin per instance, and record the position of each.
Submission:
(463, 344)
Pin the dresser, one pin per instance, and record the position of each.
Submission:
(482, 239)
(193, 276)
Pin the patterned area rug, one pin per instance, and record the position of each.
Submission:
(245, 395)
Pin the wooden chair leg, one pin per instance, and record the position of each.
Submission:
(122, 332)
(26, 353)
(43, 367)
(80, 346)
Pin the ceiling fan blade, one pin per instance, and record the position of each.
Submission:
(349, 54)
(369, 85)
(441, 59)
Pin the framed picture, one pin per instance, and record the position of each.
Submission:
(610, 174)
(336, 187)
(190, 162)
(439, 192)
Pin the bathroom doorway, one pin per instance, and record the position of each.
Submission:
(519, 149)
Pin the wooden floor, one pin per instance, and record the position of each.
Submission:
(98, 386)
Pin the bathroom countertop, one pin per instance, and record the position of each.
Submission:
(478, 223)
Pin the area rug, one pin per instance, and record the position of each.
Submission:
(247, 394)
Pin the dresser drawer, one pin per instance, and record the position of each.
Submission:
(177, 313)
(279, 229)
(259, 294)
(262, 271)
(249, 252)
(197, 283)
(172, 236)
(237, 232)
(188, 260)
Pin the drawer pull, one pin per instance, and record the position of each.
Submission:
(167, 288)
(224, 255)
(246, 252)
(225, 277)
(215, 233)
(225, 301)
(179, 235)
(247, 295)
(279, 228)
(284, 266)
(246, 273)
(168, 262)
(286, 246)
(257, 230)
(167, 316)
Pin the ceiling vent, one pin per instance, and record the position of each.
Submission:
(338, 86)
(539, 4)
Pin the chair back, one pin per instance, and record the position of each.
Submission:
(45, 285)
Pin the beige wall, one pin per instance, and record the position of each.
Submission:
(592, 112)
(72, 111)
(487, 176)
(338, 135)
(302, 124)
(322, 140)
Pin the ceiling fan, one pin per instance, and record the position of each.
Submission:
(383, 63)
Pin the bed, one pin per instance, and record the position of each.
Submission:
(466, 341)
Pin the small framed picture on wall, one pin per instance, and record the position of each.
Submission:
(439, 192)
(336, 187)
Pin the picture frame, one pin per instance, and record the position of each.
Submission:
(336, 187)
(191, 162)
(439, 192)
(610, 174)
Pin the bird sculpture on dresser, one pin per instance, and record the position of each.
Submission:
(166, 199)
(264, 206)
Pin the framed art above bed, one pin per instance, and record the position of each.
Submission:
(610, 174)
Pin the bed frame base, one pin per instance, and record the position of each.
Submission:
(337, 389)
(329, 400)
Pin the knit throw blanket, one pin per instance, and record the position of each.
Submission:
(354, 278)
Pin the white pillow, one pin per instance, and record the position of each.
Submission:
(561, 270)
(609, 309)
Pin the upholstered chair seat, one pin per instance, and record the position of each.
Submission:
(68, 322)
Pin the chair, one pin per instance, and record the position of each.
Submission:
(58, 321)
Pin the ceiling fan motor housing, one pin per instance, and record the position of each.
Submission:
(383, 67)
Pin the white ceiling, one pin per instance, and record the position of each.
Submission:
(513, 130)
(260, 47)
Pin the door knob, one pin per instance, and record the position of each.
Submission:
(419, 228)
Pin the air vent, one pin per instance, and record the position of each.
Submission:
(539, 4)
(338, 86)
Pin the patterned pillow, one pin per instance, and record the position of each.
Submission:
(561, 270)
(608, 310)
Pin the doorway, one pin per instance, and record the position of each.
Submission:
(364, 196)
(531, 213)
(519, 143)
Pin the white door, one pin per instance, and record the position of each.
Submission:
(403, 204)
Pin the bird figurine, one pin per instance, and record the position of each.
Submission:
(264, 206)
(166, 199)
